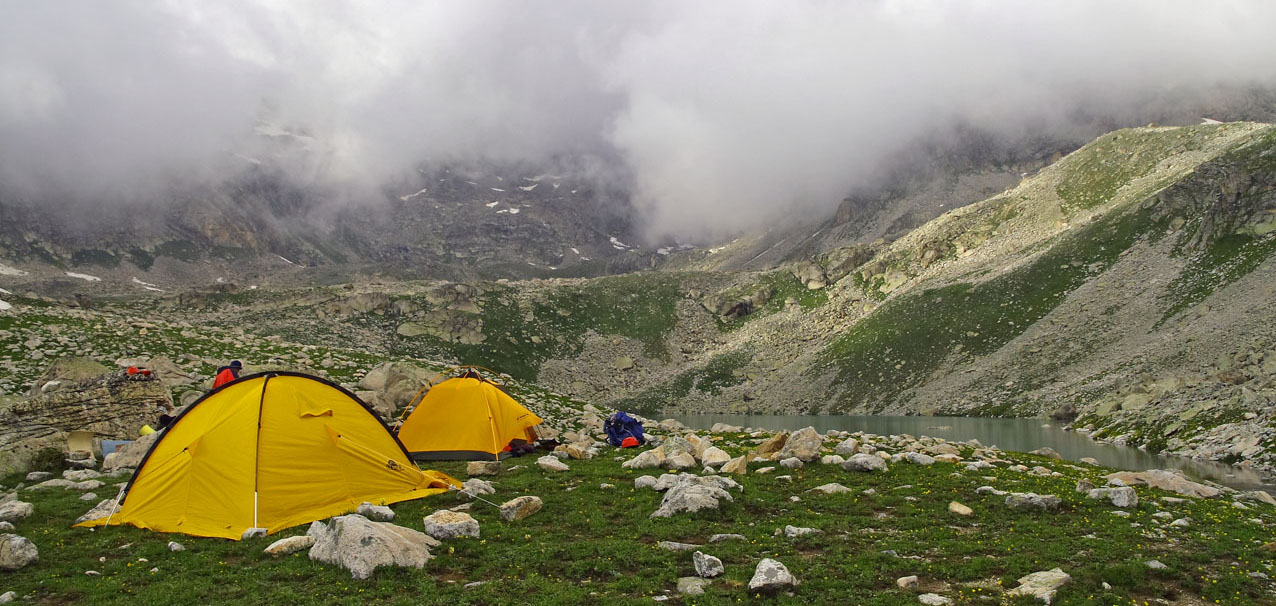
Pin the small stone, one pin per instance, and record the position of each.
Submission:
(1041, 585)
(908, 582)
(1033, 501)
(1155, 565)
(550, 463)
(483, 468)
(92, 573)
(445, 524)
(88, 496)
(794, 532)
(15, 511)
(519, 508)
(933, 599)
(7, 597)
(288, 545)
(718, 538)
(175, 546)
(706, 565)
(771, 575)
(253, 533)
(641, 482)
(959, 509)
(38, 476)
(676, 546)
(831, 488)
(691, 585)
(376, 513)
(791, 463)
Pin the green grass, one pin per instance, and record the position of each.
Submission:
(591, 545)
(1095, 173)
(1223, 262)
(903, 342)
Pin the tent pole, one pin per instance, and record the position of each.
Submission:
(115, 507)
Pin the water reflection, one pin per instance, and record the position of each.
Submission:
(1008, 434)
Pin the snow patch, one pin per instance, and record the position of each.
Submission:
(496, 189)
(576, 251)
(491, 204)
(410, 196)
(471, 183)
(253, 287)
(514, 211)
(663, 251)
(617, 244)
(220, 280)
(503, 210)
(85, 277)
(555, 186)
(285, 261)
(147, 285)
(528, 187)
(5, 270)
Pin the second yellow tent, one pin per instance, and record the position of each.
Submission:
(465, 418)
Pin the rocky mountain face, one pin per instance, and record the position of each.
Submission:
(1126, 286)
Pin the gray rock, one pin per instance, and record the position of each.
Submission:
(376, 513)
(88, 496)
(714, 456)
(831, 488)
(990, 490)
(737, 466)
(802, 444)
(1166, 480)
(482, 468)
(908, 582)
(832, 460)
(444, 524)
(1031, 501)
(846, 447)
(771, 575)
(718, 538)
(516, 509)
(475, 487)
(1041, 585)
(794, 532)
(791, 463)
(1047, 452)
(864, 462)
(101, 510)
(79, 475)
(286, 546)
(129, 455)
(933, 599)
(38, 476)
(175, 546)
(549, 463)
(7, 597)
(361, 545)
(916, 458)
(1123, 496)
(68, 484)
(6, 527)
(692, 585)
(254, 533)
(691, 494)
(680, 461)
(706, 565)
(17, 552)
(1155, 565)
(676, 546)
(13, 511)
(641, 482)
(647, 459)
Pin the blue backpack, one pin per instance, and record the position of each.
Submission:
(620, 426)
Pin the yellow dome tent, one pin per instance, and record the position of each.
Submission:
(271, 450)
(465, 418)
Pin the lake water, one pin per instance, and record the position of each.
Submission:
(1007, 434)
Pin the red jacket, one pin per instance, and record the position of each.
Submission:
(225, 376)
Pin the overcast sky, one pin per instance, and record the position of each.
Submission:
(727, 114)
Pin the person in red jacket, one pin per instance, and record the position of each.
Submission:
(226, 374)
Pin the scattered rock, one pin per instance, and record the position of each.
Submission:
(846, 447)
(361, 546)
(737, 466)
(641, 482)
(79, 475)
(691, 494)
(285, 546)
(714, 456)
(38, 476)
(483, 468)
(959, 509)
(516, 509)
(691, 585)
(794, 532)
(129, 456)
(376, 513)
(1155, 565)
(864, 462)
(803, 444)
(17, 552)
(254, 533)
(475, 487)
(771, 575)
(7, 597)
(1041, 585)
(175, 546)
(680, 461)
(551, 463)
(1123, 496)
(446, 524)
(718, 538)
(1047, 452)
(791, 463)
(772, 445)
(646, 459)
(1033, 501)
(13, 511)
(1166, 480)
(706, 565)
(933, 599)
(916, 458)
(101, 510)
(908, 582)
(676, 546)
(831, 488)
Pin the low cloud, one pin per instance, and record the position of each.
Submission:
(724, 115)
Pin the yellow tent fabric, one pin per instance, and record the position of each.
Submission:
(465, 418)
(272, 450)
